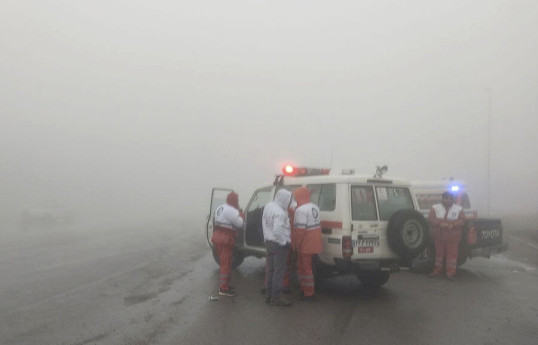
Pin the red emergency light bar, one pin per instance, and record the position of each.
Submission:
(290, 170)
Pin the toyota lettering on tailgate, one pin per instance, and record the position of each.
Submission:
(490, 234)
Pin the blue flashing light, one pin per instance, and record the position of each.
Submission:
(455, 188)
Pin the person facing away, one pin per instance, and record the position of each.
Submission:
(307, 238)
(276, 234)
(446, 220)
(228, 221)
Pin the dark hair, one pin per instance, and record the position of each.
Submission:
(447, 195)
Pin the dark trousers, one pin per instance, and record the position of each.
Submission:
(275, 268)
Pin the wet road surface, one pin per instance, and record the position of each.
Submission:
(150, 285)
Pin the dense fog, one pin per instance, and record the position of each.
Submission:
(123, 111)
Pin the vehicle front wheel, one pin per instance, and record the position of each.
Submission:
(373, 279)
(237, 257)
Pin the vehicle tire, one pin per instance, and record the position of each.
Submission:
(320, 271)
(237, 257)
(463, 254)
(373, 279)
(425, 262)
(408, 233)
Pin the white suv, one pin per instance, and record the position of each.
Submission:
(368, 224)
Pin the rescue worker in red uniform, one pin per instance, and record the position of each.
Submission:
(446, 220)
(228, 221)
(307, 237)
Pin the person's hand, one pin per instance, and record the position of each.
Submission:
(242, 214)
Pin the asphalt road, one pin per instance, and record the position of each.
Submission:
(150, 285)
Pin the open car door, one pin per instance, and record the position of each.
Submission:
(218, 197)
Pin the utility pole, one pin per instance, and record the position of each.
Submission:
(488, 90)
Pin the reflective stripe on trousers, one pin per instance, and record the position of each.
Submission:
(446, 250)
(225, 253)
(306, 277)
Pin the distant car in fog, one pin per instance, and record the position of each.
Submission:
(45, 217)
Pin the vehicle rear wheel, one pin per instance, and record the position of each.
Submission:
(373, 279)
(407, 233)
(320, 270)
(463, 254)
(237, 257)
(425, 262)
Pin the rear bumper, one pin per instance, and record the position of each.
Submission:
(350, 266)
(487, 252)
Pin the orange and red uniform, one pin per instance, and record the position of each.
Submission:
(307, 237)
(446, 226)
(228, 221)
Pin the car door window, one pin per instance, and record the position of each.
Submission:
(323, 195)
(259, 199)
(253, 228)
(363, 203)
(392, 199)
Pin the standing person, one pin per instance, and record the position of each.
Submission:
(228, 221)
(446, 220)
(291, 261)
(276, 233)
(307, 239)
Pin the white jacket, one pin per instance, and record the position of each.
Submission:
(307, 217)
(228, 217)
(453, 212)
(275, 220)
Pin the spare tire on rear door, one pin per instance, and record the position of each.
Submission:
(407, 233)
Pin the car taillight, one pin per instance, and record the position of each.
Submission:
(347, 247)
(471, 236)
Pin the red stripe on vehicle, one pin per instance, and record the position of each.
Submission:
(331, 224)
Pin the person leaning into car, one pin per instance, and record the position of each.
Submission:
(446, 220)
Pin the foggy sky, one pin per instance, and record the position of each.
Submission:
(136, 108)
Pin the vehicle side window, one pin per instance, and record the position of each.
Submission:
(427, 200)
(315, 191)
(363, 203)
(392, 199)
(323, 195)
(260, 199)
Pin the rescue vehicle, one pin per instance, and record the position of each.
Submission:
(369, 224)
(481, 237)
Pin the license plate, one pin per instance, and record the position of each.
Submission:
(363, 241)
(365, 250)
